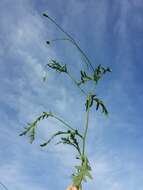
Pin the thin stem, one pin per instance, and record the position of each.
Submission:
(72, 78)
(66, 124)
(72, 40)
(59, 39)
(84, 55)
(86, 128)
(62, 121)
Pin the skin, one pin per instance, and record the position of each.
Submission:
(71, 187)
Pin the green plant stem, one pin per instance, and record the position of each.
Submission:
(59, 39)
(72, 41)
(66, 124)
(85, 132)
(75, 82)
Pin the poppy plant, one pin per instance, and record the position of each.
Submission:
(72, 136)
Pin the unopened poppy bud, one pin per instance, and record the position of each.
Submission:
(48, 42)
(45, 14)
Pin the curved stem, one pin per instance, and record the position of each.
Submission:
(70, 39)
(84, 55)
(88, 62)
(66, 124)
(59, 39)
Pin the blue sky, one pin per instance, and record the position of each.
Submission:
(110, 32)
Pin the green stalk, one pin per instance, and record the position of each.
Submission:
(66, 124)
(75, 82)
(85, 132)
(71, 39)
(63, 122)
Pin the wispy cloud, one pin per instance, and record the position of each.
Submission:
(116, 157)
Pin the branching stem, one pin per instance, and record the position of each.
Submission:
(71, 136)
(75, 82)
(66, 124)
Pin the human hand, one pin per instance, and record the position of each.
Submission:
(72, 187)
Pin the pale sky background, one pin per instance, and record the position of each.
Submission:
(111, 33)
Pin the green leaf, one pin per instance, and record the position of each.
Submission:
(32, 126)
(83, 171)
(100, 104)
(52, 137)
(27, 129)
(99, 72)
(96, 76)
(56, 66)
(30, 130)
(32, 135)
(89, 101)
(71, 139)
(84, 77)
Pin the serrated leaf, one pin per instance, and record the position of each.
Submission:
(89, 101)
(56, 66)
(96, 76)
(84, 77)
(83, 171)
(100, 103)
(52, 137)
(32, 126)
(99, 72)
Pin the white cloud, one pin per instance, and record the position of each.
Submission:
(29, 96)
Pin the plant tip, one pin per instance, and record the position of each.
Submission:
(45, 14)
(48, 42)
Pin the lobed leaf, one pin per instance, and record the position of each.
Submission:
(99, 72)
(32, 126)
(56, 66)
(84, 77)
(52, 137)
(95, 77)
(89, 101)
(82, 172)
(71, 139)
(99, 103)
